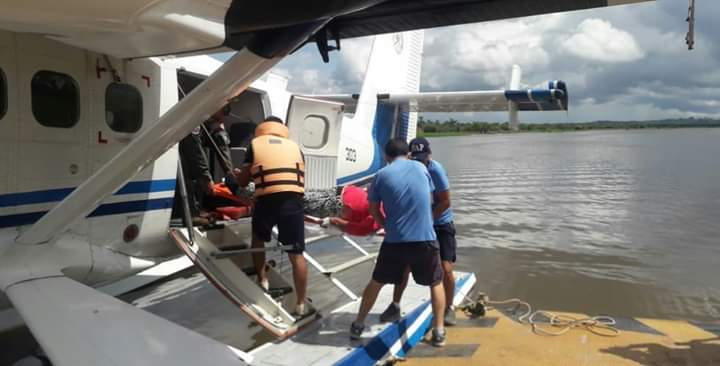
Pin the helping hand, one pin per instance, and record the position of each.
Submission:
(325, 223)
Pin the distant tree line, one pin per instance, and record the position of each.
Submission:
(455, 127)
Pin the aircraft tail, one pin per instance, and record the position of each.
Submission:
(394, 67)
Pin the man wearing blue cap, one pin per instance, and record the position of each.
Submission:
(444, 229)
(404, 188)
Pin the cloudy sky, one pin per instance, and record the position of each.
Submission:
(620, 63)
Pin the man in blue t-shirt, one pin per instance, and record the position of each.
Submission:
(444, 230)
(404, 188)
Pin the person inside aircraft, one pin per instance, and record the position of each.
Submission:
(218, 141)
(241, 133)
(202, 151)
(276, 166)
(196, 172)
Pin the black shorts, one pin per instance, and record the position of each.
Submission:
(446, 237)
(422, 257)
(285, 210)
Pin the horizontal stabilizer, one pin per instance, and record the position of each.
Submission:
(77, 326)
(555, 98)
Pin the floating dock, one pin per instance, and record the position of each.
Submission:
(327, 342)
(500, 339)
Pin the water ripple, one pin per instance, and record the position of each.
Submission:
(641, 207)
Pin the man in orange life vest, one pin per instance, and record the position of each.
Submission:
(277, 167)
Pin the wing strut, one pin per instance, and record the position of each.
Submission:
(266, 50)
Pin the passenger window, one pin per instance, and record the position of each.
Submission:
(3, 94)
(315, 132)
(55, 99)
(123, 108)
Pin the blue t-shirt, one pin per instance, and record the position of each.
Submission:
(404, 187)
(440, 180)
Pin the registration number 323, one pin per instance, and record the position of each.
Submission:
(350, 154)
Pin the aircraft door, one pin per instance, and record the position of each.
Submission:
(315, 125)
(52, 114)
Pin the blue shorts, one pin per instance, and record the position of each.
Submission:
(422, 257)
(446, 237)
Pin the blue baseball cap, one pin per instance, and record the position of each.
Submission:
(420, 148)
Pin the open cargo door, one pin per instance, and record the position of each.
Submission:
(315, 125)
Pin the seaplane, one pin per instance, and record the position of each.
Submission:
(94, 97)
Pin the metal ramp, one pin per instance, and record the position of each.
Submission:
(330, 273)
(224, 255)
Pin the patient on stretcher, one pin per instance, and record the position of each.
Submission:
(355, 218)
(225, 205)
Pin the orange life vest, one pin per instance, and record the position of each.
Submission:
(278, 164)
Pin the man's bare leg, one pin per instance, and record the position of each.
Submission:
(399, 289)
(448, 283)
(437, 297)
(300, 276)
(369, 296)
(258, 259)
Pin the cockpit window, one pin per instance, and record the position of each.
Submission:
(55, 99)
(123, 108)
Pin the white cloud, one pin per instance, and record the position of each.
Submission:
(489, 49)
(354, 58)
(706, 103)
(630, 111)
(598, 40)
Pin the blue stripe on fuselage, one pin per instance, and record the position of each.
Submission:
(29, 198)
(55, 195)
(103, 210)
(147, 186)
(381, 134)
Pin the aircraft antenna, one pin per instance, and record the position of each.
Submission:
(690, 37)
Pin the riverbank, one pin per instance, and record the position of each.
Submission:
(451, 127)
(422, 133)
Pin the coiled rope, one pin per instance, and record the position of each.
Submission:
(556, 324)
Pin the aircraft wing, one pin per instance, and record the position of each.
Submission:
(78, 326)
(141, 28)
(404, 15)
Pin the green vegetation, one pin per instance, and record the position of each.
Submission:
(453, 127)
